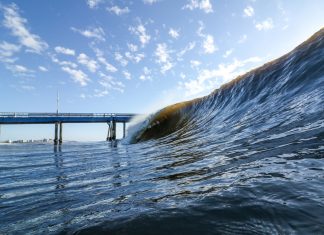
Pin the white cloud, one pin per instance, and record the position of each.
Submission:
(92, 65)
(99, 93)
(109, 83)
(117, 10)
(17, 25)
(188, 48)
(97, 33)
(93, 3)
(77, 75)
(208, 80)
(109, 67)
(7, 50)
(127, 75)
(248, 11)
(100, 56)
(162, 53)
(209, 44)
(204, 5)
(163, 57)
(194, 63)
(132, 47)
(265, 25)
(146, 74)
(150, 2)
(174, 33)
(242, 39)
(65, 51)
(20, 70)
(136, 58)
(228, 53)
(27, 87)
(42, 68)
(140, 31)
(120, 58)
(182, 76)
(64, 63)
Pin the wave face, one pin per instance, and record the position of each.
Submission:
(276, 98)
(247, 159)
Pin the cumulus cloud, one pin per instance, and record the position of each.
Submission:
(209, 44)
(204, 5)
(94, 3)
(189, 47)
(7, 51)
(132, 47)
(109, 67)
(27, 87)
(117, 10)
(146, 75)
(242, 39)
(100, 57)
(109, 83)
(228, 53)
(265, 25)
(96, 33)
(92, 65)
(120, 58)
(20, 70)
(17, 25)
(42, 68)
(140, 31)
(163, 57)
(174, 33)
(194, 63)
(77, 75)
(150, 2)
(127, 75)
(63, 63)
(182, 75)
(209, 79)
(248, 11)
(135, 58)
(63, 50)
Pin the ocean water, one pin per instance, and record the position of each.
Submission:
(247, 159)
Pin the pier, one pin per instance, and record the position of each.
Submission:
(59, 118)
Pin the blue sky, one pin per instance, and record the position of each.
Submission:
(135, 56)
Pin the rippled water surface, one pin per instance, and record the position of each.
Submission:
(151, 189)
(247, 159)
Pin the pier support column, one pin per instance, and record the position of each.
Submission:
(124, 129)
(113, 136)
(56, 134)
(108, 132)
(61, 134)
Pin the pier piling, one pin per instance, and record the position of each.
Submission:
(56, 134)
(114, 130)
(61, 134)
(124, 129)
(108, 132)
